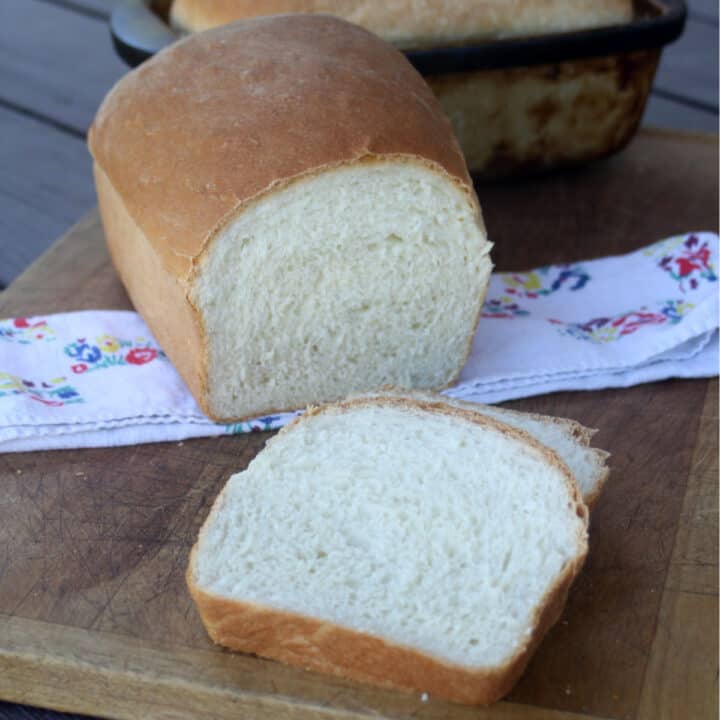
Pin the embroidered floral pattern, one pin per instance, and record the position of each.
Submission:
(688, 262)
(25, 331)
(109, 351)
(55, 392)
(602, 330)
(531, 286)
(503, 307)
(545, 281)
(263, 424)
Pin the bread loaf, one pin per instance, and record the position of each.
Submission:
(421, 23)
(289, 211)
(394, 541)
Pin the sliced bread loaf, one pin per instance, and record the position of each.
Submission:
(290, 212)
(390, 540)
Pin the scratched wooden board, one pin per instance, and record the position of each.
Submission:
(94, 614)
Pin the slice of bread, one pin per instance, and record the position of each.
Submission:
(395, 541)
(568, 438)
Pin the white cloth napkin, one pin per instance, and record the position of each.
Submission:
(98, 378)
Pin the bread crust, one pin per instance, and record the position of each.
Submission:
(325, 647)
(160, 297)
(189, 140)
(413, 23)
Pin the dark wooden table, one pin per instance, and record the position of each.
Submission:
(56, 63)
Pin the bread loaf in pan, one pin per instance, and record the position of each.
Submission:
(411, 24)
(514, 119)
(290, 212)
(528, 86)
(522, 120)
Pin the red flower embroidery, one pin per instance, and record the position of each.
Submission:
(21, 323)
(140, 356)
(79, 368)
(51, 403)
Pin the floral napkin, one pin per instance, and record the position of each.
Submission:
(98, 378)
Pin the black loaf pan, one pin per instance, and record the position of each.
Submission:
(518, 105)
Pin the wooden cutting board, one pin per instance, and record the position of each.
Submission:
(94, 614)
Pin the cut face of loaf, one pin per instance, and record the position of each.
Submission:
(396, 542)
(289, 211)
(352, 279)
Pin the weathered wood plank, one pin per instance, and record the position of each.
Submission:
(694, 564)
(55, 62)
(129, 678)
(682, 676)
(704, 10)
(94, 8)
(664, 113)
(45, 185)
(689, 67)
(12, 711)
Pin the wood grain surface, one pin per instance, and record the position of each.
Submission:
(100, 9)
(70, 69)
(94, 614)
(46, 173)
(703, 10)
(684, 71)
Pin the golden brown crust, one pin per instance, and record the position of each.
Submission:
(321, 646)
(216, 120)
(600, 458)
(417, 23)
(157, 294)
(327, 648)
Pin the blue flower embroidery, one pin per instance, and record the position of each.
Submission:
(83, 351)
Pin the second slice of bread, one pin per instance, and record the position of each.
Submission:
(568, 438)
(395, 541)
